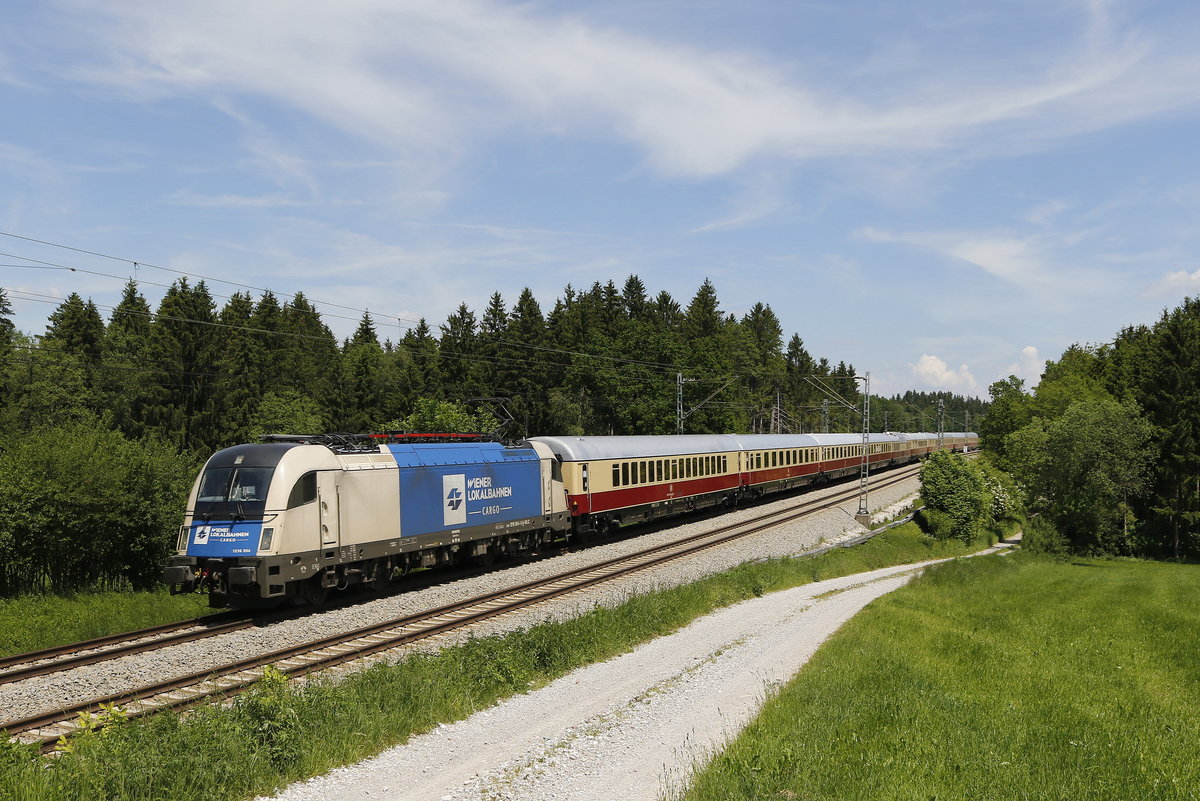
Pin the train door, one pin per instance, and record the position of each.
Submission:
(587, 486)
(327, 504)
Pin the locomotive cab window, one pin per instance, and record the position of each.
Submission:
(304, 491)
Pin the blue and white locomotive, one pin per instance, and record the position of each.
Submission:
(294, 519)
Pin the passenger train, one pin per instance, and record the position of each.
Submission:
(296, 516)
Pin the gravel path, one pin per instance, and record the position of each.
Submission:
(629, 728)
(26, 698)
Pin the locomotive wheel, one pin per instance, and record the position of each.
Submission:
(314, 592)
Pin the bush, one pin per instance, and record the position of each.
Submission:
(953, 487)
(1042, 537)
(85, 508)
(938, 525)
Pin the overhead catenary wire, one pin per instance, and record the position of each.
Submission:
(140, 263)
(487, 360)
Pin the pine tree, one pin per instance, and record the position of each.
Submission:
(7, 329)
(1172, 399)
(7, 336)
(458, 348)
(240, 363)
(182, 355)
(365, 334)
(633, 298)
(703, 317)
(421, 349)
(667, 311)
(308, 357)
(524, 376)
(75, 327)
(493, 328)
(266, 319)
(129, 326)
(124, 384)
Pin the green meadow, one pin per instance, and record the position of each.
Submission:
(993, 678)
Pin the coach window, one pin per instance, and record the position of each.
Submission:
(624, 473)
(616, 474)
(305, 491)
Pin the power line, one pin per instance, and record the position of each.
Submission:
(136, 264)
(488, 360)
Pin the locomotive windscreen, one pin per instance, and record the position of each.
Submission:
(235, 482)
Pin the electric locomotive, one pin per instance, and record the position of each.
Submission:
(292, 518)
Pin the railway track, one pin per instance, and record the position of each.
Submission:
(90, 652)
(345, 647)
(45, 662)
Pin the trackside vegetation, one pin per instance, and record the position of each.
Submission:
(1108, 444)
(1019, 677)
(281, 733)
(34, 622)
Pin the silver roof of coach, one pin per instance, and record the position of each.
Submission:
(583, 449)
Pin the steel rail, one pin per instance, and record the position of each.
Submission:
(91, 652)
(337, 649)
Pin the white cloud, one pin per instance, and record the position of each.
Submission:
(1174, 284)
(1028, 367)
(426, 76)
(934, 372)
(1018, 260)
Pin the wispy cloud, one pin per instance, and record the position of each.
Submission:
(269, 201)
(427, 76)
(1022, 261)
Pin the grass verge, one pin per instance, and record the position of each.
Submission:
(34, 622)
(280, 733)
(1021, 677)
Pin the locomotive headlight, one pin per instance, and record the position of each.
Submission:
(264, 544)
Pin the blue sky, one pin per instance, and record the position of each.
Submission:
(941, 193)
